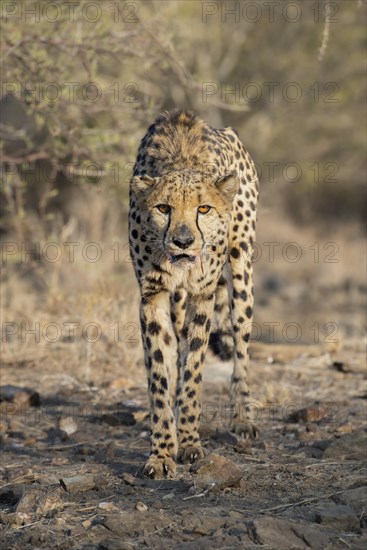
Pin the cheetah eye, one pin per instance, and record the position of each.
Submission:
(164, 208)
(204, 209)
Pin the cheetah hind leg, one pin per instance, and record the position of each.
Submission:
(221, 342)
(221, 337)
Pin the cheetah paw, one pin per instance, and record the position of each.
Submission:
(244, 428)
(160, 468)
(188, 455)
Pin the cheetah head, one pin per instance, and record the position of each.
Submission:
(185, 212)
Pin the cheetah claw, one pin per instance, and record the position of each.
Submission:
(244, 428)
(191, 454)
(160, 468)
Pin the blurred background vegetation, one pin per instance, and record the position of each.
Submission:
(88, 81)
(81, 81)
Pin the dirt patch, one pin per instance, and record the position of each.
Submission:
(69, 469)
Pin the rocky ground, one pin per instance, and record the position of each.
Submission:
(72, 452)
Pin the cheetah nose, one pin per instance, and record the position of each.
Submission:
(183, 242)
(183, 237)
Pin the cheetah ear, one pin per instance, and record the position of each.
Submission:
(228, 185)
(139, 184)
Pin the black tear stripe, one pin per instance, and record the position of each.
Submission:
(201, 233)
(167, 228)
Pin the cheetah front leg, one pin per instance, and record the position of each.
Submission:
(196, 331)
(178, 314)
(241, 301)
(158, 336)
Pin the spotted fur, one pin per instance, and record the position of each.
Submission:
(193, 198)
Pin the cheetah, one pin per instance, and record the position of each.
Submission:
(193, 199)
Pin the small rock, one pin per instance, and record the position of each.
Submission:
(86, 450)
(217, 471)
(19, 397)
(56, 436)
(312, 433)
(141, 507)
(118, 418)
(78, 483)
(87, 523)
(107, 453)
(30, 441)
(259, 443)
(344, 429)
(68, 425)
(3, 426)
(59, 461)
(50, 501)
(21, 518)
(127, 415)
(206, 431)
(356, 498)
(129, 524)
(114, 544)
(244, 446)
(39, 501)
(235, 515)
(315, 413)
(197, 524)
(170, 495)
(100, 481)
(14, 422)
(129, 479)
(141, 416)
(340, 366)
(316, 450)
(289, 428)
(108, 506)
(121, 383)
(27, 502)
(350, 446)
(338, 516)
(281, 533)
(226, 438)
(60, 521)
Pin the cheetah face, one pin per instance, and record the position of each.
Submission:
(184, 212)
